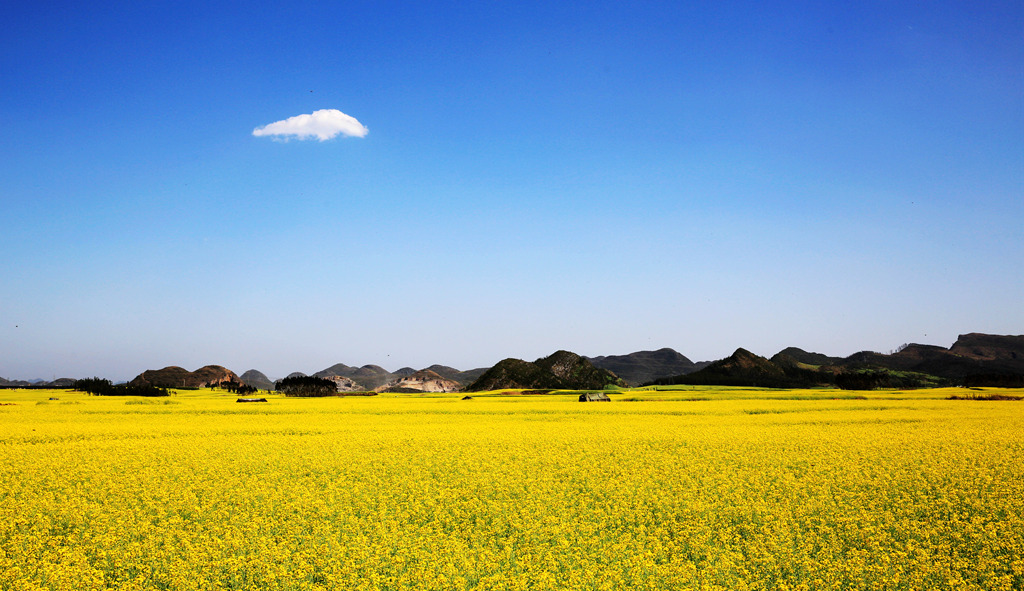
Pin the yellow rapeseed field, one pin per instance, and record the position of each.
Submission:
(655, 490)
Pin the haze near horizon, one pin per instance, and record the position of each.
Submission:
(296, 186)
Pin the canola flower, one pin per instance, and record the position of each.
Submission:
(745, 490)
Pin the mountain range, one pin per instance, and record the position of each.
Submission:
(992, 359)
(974, 359)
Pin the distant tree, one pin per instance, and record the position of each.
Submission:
(860, 380)
(235, 387)
(306, 386)
(94, 386)
(1006, 380)
(102, 387)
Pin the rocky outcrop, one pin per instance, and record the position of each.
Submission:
(177, 377)
(423, 380)
(344, 384)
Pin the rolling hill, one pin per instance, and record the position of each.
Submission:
(645, 366)
(177, 377)
(560, 370)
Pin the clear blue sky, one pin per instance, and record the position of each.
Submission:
(599, 177)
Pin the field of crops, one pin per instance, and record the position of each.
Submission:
(685, 489)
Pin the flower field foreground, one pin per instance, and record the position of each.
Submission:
(744, 490)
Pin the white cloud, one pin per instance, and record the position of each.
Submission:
(323, 125)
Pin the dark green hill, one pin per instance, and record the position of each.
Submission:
(922, 359)
(744, 368)
(563, 370)
(642, 367)
(912, 366)
(577, 372)
(470, 375)
(513, 374)
(808, 357)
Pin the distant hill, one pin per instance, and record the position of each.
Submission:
(374, 377)
(988, 347)
(809, 358)
(927, 359)
(343, 384)
(58, 383)
(369, 377)
(4, 383)
(338, 369)
(444, 371)
(423, 380)
(984, 358)
(463, 377)
(742, 368)
(972, 354)
(177, 377)
(560, 370)
(257, 380)
(976, 357)
(646, 366)
(514, 373)
(470, 375)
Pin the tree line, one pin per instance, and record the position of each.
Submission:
(306, 386)
(103, 387)
(235, 387)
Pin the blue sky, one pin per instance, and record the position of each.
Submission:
(599, 177)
